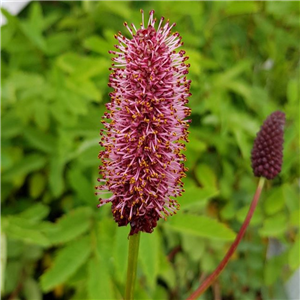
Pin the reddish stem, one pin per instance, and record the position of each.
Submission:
(210, 279)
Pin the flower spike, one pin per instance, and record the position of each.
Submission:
(142, 163)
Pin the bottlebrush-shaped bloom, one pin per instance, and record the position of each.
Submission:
(267, 154)
(142, 163)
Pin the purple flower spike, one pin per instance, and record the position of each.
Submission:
(267, 154)
(142, 163)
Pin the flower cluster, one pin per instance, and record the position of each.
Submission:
(267, 154)
(142, 163)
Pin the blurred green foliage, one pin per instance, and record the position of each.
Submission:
(56, 244)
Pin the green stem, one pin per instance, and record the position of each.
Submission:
(133, 251)
(210, 279)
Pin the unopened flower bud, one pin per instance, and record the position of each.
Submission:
(267, 152)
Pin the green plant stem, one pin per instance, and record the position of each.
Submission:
(133, 251)
(211, 278)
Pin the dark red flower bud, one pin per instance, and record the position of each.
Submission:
(266, 155)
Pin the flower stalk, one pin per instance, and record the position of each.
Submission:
(266, 160)
(210, 279)
(134, 241)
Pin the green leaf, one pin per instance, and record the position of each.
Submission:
(121, 9)
(36, 15)
(223, 79)
(274, 226)
(120, 253)
(166, 271)
(71, 225)
(194, 246)
(240, 8)
(292, 91)
(40, 140)
(200, 226)
(12, 20)
(273, 268)
(10, 125)
(242, 143)
(34, 36)
(85, 88)
(97, 44)
(35, 212)
(293, 255)
(37, 184)
(149, 256)
(80, 67)
(97, 273)
(81, 185)
(256, 218)
(56, 178)
(65, 264)
(32, 28)
(275, 201)
(41, 114)
(31, 289)
(58, 43)
(22, 229)
(100, 266)
(196, 196)
(28, 164)
(295, 218)
(206, 176)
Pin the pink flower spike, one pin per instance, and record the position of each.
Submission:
(142, 163)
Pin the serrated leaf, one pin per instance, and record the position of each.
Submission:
(65, 264)
(149, 256)
(71, 225)
(200, 226)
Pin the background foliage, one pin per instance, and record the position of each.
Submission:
(56, 244)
